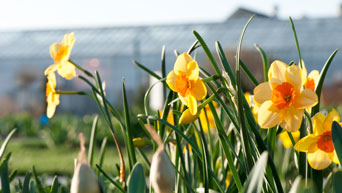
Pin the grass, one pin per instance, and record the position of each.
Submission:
(27, 152)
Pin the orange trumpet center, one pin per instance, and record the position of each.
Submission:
(325, 142)
(283, 95)
(62, 52)
(182, 84)
(310, 84)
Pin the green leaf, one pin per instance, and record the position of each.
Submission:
(320, 81)
(4, 144)
(225, 64)
(13, 175)
(54, 186)
(130, 147)
(102, 151)
(336, 133)
(297, 44)
(147, 70)
(26, 186)
(337, 179)
(249, 74)
(207, 52)
(91, 143)
(38, 182)
(136, 180)
(5, 186)
(256, 177)
(264, 61)
(244, 132)
(117, 185)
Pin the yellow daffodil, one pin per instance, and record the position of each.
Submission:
(184, 80)
(282, 100)
(187, 117)
(252, 105)
(207, 119)
(311, 80)
(169, 119)
(60, 53)
(285, 138)
(52, 98)
(319, 145)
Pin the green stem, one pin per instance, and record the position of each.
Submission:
(297, 44)
(82, 69)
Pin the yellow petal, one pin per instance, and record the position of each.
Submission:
(183, 99)
(332, 116)
(204, 121)
(276, 73)
(268, 116)
(284, 137)
(319, 160)
(247, 97)
(54, 49)
(314, 75)
(187, 117)
(66, 70)
(292, 120)
(304, 144)
(69, 39)
(192, 70)
(333, 157)
(262, 93)
(51, 69)
(307, 98)
(50, 111)
(192, 104)
(304, 72)
(317, 123)
(181, 64)
(171, 80)
(293, 76)
(198, 89)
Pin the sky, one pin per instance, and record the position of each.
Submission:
(48, 14)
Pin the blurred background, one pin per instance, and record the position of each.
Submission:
(111, 34)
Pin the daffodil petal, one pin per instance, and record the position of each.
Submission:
(307, 98)
(181, 64)
(51, 108)
(69, 39)
(314, 75)
(291, 122)
(204, 121)
(198, 89)
(192, 70)
(67, 70)
(183, 99)
(276, 73)
(304, 144)
(54, 49)
(332, 116)
(319, 160)
(267, 115)
(192, 104)
(293, 76)
(187, 117)
(333, 157)
(284, 137)
(51, 69)
(262, 93)
(317, 123)
(171, 80)
(304, 72)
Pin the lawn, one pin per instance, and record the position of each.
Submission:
(28, 152)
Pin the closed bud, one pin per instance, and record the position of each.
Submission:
(162, 174)
(84, 179)
(141, 142)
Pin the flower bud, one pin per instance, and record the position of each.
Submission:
(162, 174)
(84, 179)
(141, 142)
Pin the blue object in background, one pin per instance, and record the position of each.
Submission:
(44, 120)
